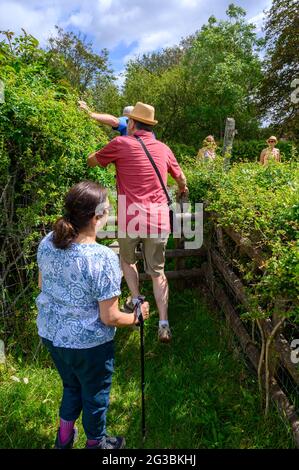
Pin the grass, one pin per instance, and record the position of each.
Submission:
(199, 392)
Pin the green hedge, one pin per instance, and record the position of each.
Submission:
(260, 203)
(250, 150)
(242, 150)
(44, 143)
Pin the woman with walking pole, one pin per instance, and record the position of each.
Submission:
(78, 312)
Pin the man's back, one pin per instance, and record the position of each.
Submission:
(136, 177)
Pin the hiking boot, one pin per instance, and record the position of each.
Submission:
(164, 334)
(67, 445)
(109, 442)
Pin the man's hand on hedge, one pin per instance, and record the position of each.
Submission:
(83, 105)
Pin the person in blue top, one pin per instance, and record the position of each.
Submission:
(78, 312)
(118, 124)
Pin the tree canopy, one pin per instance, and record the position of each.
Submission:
(281, 66)
(212, 74)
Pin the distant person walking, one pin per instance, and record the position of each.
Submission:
(208, 150)
(271, 153)
(139, 186)
(119, 124)
(78, 312)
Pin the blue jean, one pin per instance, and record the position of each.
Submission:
(86, 376)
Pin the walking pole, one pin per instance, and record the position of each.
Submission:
(141, 323)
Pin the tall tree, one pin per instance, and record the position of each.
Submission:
(76, 60)
(212, 74)
(222, 73)
(281, 66)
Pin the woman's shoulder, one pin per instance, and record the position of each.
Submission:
(102, 257)
(99, 251)
(46, 240)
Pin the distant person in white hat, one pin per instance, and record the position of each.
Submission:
(271, 153)
(119, 124)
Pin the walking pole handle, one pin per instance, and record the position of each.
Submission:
(139, 315)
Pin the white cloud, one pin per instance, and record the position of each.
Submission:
(150, 42)
(258, 21)
(38, 22)
(147, 25)
(80, 20)
(259, 18)
(104, 5)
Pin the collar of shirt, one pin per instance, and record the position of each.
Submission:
(143, 133)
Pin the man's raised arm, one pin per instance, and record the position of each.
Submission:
(107, 119)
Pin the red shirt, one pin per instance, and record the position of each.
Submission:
(136, 177)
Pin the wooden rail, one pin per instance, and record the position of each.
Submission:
(236, 286)
(251, 351)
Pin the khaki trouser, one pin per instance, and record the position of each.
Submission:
(153, 252)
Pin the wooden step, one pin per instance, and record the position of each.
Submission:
(171, 253)
(196, 273)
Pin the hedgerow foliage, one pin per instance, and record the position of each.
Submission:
(262, 204)
(242, 151)
(44, 142)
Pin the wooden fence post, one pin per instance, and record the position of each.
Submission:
(229, 135)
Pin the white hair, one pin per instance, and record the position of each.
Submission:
(127, 110)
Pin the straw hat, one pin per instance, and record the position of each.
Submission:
(143, 113)
(272, 138)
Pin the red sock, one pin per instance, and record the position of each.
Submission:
(66, 430)
(92, 442)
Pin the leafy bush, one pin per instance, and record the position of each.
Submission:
(44, 142)
(260, 203)
(250, 150)
(183, 152)
(242, 151)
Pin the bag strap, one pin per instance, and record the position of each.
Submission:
(169, 201)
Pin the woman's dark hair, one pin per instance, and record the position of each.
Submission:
(80, 205)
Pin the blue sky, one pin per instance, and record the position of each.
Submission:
(125, 27)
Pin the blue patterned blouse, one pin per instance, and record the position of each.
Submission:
(73, 281)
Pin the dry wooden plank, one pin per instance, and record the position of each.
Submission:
(283, 349)
(229, 276)
(176, 253)
(174, 275)
(112, 219)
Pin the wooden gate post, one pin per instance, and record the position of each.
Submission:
(228, 141)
